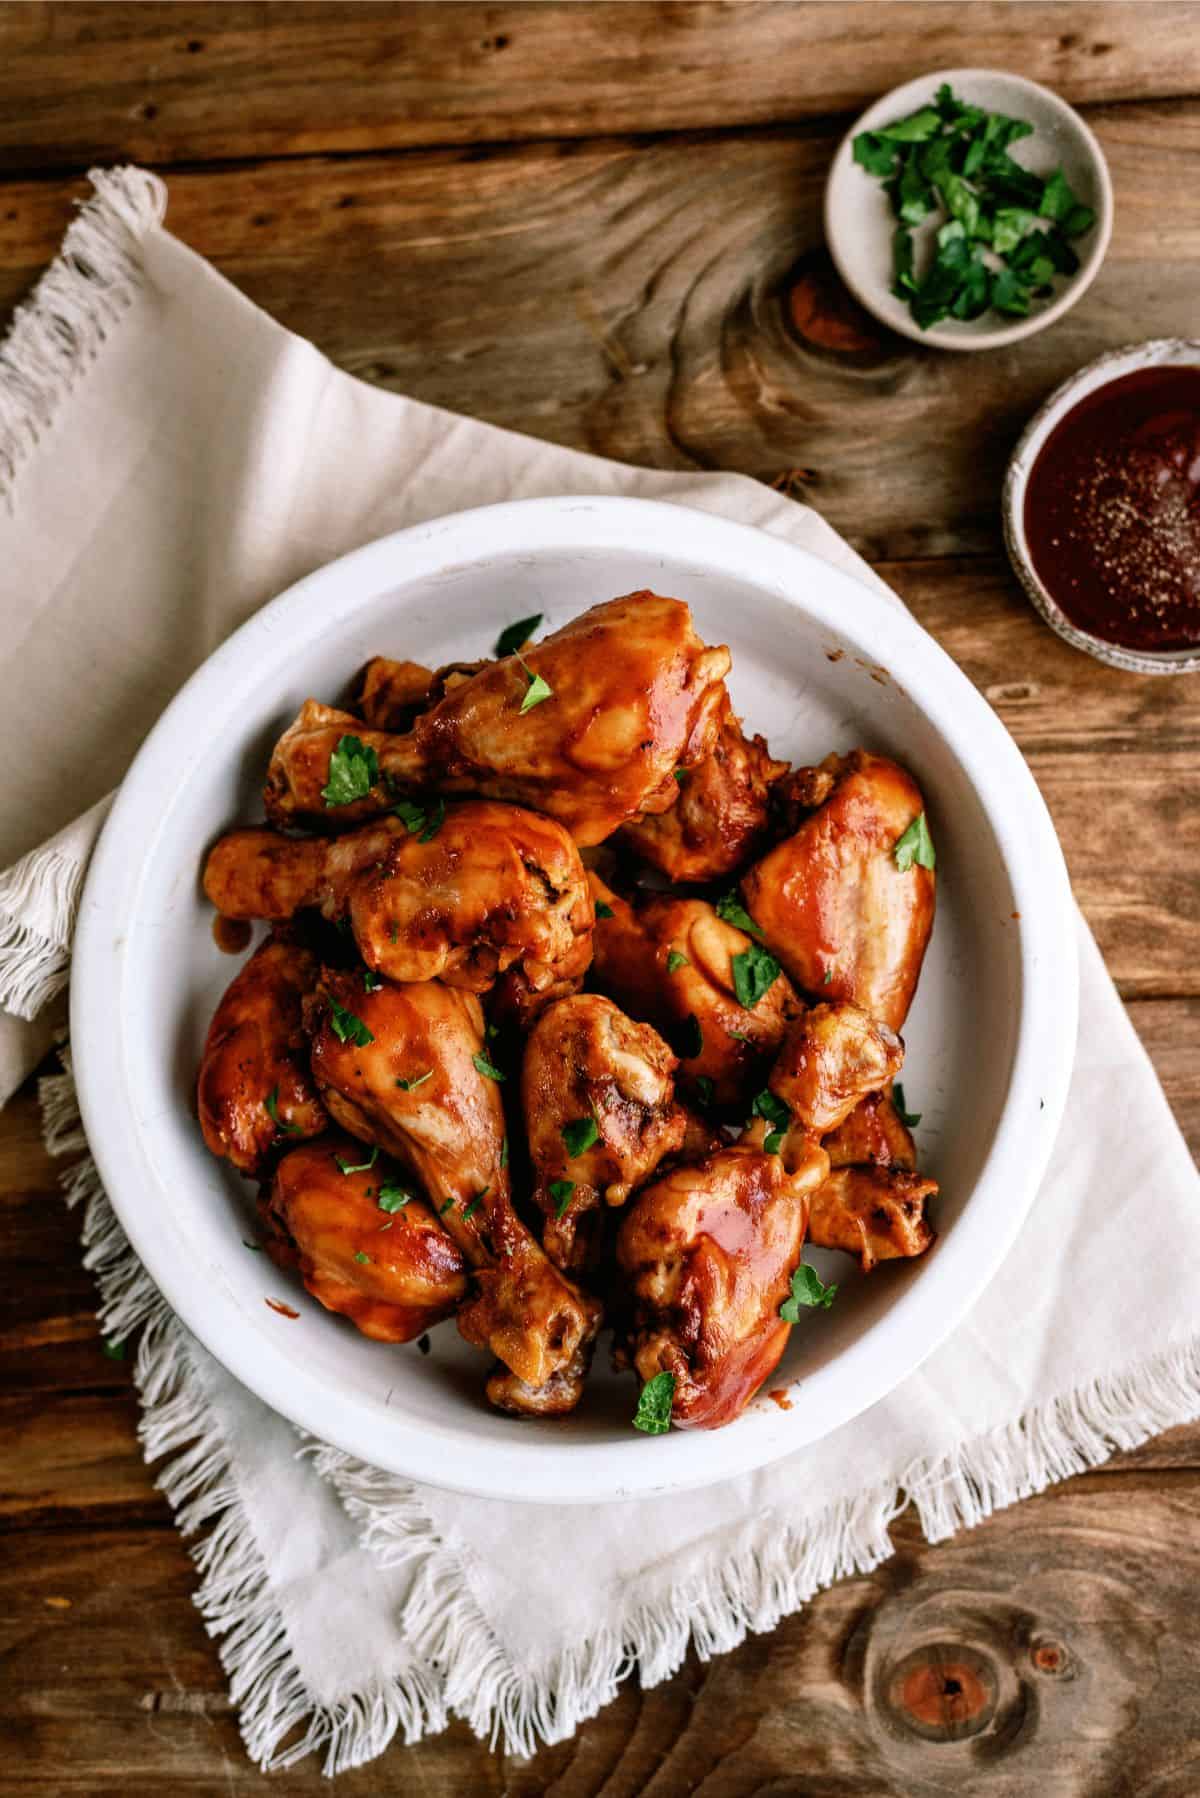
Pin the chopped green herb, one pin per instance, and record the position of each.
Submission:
(537, 690)
(422, 822)
(358, 1167)
(653, 1414)
(773, 1142)
(734, 912)
(807, 1290)
(676, 959)
(704, 1086)
(579, 1135)
(360, 1256)
(113, 1347)
(485, 1067)
(476, 1202)
(516, 636)
(392, 1196)
(410, 1086)
(755, 972)
(491, 1030)
(828, 977)
(353, 771)
(603, 910)
(916, 845)
(504, 1153)
(910, 1119)
(272, 1106)
(738, 1036)
(371, 980)
(691, 1038)
(1003, 230)
(679, 774)
(560, 1191)
(767, 1106)
(347, 1027)
(448, 1206)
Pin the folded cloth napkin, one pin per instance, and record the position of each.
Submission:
(172, 458)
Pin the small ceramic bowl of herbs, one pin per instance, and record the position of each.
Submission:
(968, 208)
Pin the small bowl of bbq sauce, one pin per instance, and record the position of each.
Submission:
(1102, 508)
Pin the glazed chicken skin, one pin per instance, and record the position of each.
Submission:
(254, 1089)
(415, 1088)
(394, 1274)
(671, 962)
(830, 900)
(720, 818)
(493, 885)
(590, 1071)
(830, 1058)
(633, 695)
(708, 1252)
(872, 1133)
(876, 1213)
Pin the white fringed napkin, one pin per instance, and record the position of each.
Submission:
(172, 458)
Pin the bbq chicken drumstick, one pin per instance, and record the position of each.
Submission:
(255, 1090)
(589, 726)
(831, 900)
(491, 886)
(403, 1067)
(598, 1095)
(364, 1246)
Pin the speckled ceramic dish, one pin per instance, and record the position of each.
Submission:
(1109, 367)
(858, 217)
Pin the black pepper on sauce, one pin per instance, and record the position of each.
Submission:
(1112, 510)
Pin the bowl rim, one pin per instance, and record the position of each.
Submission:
(922, 1313)
(944, 337)
(1153, 352)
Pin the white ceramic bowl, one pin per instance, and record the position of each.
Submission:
(1157, 353)
(858, 217)
(820, 662)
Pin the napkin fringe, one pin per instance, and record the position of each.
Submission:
(62, 326)
(178, 1430)
(38, 899)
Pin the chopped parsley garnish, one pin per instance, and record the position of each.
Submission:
(828, 977)
(773, 1142)
(476, 1202)
(353, 771)
(910, 1119)
(347, 1027)
(807, 1290)
(504, 1153)
(730, 907)
(113, 1347)
(677, 960)
(679, 774)
(448, 1206)
(272, 1106)
(580, 1134)
(916, 845)
(738, 1036)
(516, 636)
(755, 972)
(704, 1086)
(560, 1191)
(537, 690)
(421, 821)
(361, 1256)
(691, 1038)
(603, 910)
(371, 980)
(392, 1196)
(410, 1086)
(1003, 232)
(485, 1067)
(767, 1106)
(358, 1167)
(653, 1414)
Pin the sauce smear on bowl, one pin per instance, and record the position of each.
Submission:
(1112, 510)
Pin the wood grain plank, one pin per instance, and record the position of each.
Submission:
(668, 304)
(163, 83)
(1025, 1655)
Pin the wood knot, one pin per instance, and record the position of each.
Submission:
(825, 315)
(943, 1692)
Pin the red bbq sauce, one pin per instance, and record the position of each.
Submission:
(1112, 510)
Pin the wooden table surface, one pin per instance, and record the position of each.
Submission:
(601, 224)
